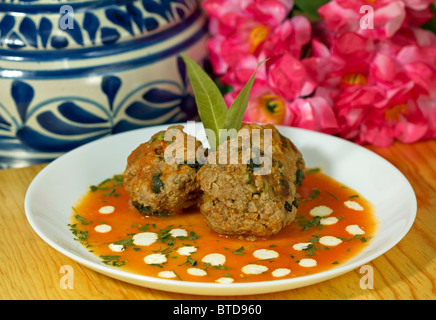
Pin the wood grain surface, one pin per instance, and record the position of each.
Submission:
(30, 269)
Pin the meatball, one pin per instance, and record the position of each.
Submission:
(240, 200)
(159, 178)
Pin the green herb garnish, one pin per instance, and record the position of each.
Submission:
(333, 195)
(307, 224)
(357, 236)
(126, 242)
(313, 195)
(82, 220)
(109, 185)
(189, 260)
(313, 170)
(211, 105)
(239, 251)
(81, 236)
(113, 260)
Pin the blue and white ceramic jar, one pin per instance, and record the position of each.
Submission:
(74, 71)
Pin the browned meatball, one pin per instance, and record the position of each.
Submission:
(158, 184)
(237, 201)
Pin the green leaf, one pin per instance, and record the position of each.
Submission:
(236, 111)
(210, 102)
(239, 251)
(431, 25)
(309, 8)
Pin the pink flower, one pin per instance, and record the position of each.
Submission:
(239, 28)
(369, 85)
(228, 11)
(314, 113)
(400, 119)
(264, 106)
(380, 100)
(387, 16)
(288, 38)
(233, 60)
(290, 78)
(267, 105)
(345, 62)
(267, 108)
(427, 107)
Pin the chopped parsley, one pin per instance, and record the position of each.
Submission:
(126, 242)
(80, 236)
(313, 170)
(312, 248)
(189, 261)
(219, 266)
(82, 220)
(308, 224)
(333, 195)
(110, 185)
(239, 251)
(113, 260)
(313, 195)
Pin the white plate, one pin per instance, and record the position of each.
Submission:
(56, 188)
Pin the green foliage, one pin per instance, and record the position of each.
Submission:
(431, 25)
(211, 105)
(309, 8)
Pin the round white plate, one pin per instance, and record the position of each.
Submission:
(57, 187)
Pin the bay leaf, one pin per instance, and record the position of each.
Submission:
(235, 114)
(210, 102)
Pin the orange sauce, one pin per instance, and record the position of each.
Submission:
(127, 221)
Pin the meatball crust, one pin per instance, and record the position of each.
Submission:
(157, 185)
(237, 201)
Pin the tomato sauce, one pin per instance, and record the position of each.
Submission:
(307, 230)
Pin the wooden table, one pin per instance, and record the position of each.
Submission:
(30, 268)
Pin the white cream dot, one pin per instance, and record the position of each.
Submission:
(320, 211)
(196, 272)
(144, 238)
(301, 246)
(107, 209)
(155, 258)
(224, 280)
(280, 272)
(167, 274)
(214, 259)
(307, 262)
(179, 233)
(354, 229)
(353, 205)
(265, 254)
(103, 228)
(117, 247)
(328, 221)
(254, 269)
(186, 251)
(330, 241)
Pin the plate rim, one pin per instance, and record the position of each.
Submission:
(211, 288)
